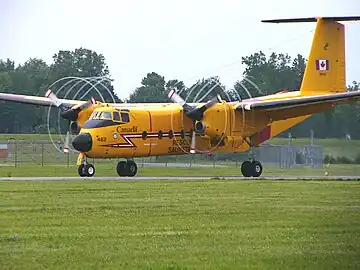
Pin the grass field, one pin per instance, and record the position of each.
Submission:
(180, 225)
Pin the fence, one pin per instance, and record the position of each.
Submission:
(44, 153)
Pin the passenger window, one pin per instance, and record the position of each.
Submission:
(125, 117)
(116, 116)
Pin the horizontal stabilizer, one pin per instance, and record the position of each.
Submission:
(313, 19)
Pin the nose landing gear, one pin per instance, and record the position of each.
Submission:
(86, 170)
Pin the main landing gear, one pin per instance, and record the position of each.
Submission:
(251, 168)
(127, 168)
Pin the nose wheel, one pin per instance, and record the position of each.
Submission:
(127, 168)
(86, 170)
(251, 168)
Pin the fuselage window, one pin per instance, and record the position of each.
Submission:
(125, 117)
(116, 116)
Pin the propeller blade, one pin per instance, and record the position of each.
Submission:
(87, 104)
(193, 143)
(50, 94)
(198, 113)
(194, 113)
(176, 98)
(209, 104)
(70, 113)
(66, 145)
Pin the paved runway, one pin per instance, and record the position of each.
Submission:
(178, 178)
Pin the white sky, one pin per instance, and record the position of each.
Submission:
(182, 39)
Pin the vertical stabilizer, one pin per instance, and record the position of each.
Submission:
(325, 69)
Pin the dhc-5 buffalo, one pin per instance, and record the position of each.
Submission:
(111, 130)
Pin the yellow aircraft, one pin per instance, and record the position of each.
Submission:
(110, 130)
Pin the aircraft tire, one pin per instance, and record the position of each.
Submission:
(122, 168)
(131, 168)
(81, 170)
(89, 170)
(246, 168)
(256, 168)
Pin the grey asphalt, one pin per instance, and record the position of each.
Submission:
(178, 178)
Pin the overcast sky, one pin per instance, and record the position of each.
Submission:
(182, 39)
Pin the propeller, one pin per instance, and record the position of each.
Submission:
(69, 113)
(195, 113)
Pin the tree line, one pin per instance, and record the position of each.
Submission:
(263, 75)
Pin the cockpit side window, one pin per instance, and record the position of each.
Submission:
(116, 117)
(125, 117)
(105, 116)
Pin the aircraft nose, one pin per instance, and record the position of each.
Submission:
(82, 142)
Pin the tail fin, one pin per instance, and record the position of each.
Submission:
(325, 69)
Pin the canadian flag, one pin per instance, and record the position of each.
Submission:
(322, 64)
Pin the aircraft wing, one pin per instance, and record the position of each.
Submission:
(281, 109)
(34, 100)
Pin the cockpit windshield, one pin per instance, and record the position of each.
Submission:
(101, 116)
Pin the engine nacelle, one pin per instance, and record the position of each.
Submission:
(200, 127)
(203, 128)
(75, 128)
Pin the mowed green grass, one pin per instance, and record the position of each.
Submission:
(180, 225)
(227, 169)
